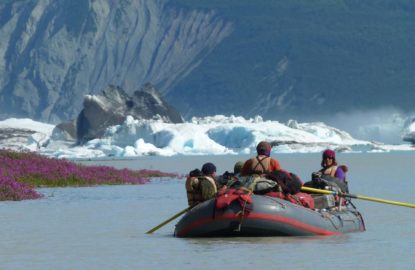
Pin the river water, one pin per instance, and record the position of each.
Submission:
(104, 227)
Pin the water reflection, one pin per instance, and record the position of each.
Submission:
(272, 240)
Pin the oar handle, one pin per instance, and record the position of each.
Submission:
(385, 201)
(170, 219)
(317, 190)
(323, 191)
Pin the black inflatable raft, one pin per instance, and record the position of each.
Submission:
(267, 216)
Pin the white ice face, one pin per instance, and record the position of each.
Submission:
(214, 135)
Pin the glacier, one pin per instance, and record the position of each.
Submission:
(211, 135)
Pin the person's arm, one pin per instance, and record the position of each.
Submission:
(275, 165)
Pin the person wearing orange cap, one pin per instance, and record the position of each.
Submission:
(262, 163)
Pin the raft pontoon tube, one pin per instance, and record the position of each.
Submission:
(267, 216)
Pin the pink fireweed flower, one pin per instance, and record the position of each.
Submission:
(20, 172)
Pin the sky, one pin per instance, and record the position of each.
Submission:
(214, 135)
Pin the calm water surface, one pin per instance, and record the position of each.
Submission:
(104, 227)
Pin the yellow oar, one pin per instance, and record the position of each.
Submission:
(323, 191)
(170, 219)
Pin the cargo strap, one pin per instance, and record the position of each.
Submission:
(242, 195)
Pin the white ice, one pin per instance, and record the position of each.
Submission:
(214, 135)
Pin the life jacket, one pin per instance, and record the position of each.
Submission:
(207, 187)
(194, 195)
(329, 171)
(200, 189)
(260, 165)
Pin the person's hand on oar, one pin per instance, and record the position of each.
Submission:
(347, 195)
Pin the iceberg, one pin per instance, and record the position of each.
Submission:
(409, 133)
(212, 135)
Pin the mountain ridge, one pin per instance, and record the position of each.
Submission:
(282, 60)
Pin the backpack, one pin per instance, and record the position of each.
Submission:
(289, 182)
(259, 184)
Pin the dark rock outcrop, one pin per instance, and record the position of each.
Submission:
(111, 108)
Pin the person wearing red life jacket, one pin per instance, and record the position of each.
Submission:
(262, 163)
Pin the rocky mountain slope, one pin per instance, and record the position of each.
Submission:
(53, 52)
(279, 59)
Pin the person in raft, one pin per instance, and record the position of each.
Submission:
(237, 168)
(262, 163)
(201, 185)
(330, 167)
(230, 179)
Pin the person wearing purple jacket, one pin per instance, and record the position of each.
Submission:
(330, 166)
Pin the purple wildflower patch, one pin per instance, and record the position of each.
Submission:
(20, 172)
